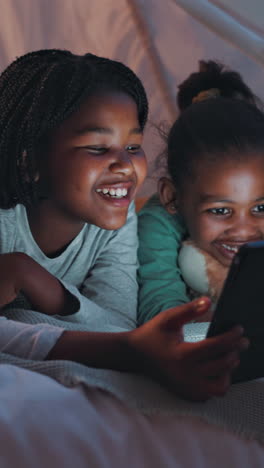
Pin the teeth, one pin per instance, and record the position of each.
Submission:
(117, 193)
(232, 249)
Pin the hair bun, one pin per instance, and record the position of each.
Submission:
(213, 75)
(210, 67)
(208, 94)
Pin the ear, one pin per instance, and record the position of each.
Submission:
(23, 163)
(36, 177)
(168, 195)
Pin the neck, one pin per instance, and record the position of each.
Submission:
(50, 229)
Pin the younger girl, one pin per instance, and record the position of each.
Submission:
(214, 194)
(71, 130)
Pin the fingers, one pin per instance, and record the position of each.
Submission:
(218, 386)
(177, 316)
(220, 366)
(202, 389)
(213, 377)
(213, 347)
(206, 368)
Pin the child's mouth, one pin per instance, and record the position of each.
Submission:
(226, 251)
(117, 193)
(229, 250)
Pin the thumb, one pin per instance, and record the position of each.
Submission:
(178, 316)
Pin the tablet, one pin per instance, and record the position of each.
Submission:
(242, 302)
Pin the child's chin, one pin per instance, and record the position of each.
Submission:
(226, 262)
(223, 256)
(113, 224)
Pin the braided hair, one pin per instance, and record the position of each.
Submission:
(38, 91)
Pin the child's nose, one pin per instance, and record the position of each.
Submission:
(244, 231)
(122, 164)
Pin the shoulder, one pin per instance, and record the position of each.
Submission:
(154, 217)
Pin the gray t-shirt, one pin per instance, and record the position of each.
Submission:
(98, 267)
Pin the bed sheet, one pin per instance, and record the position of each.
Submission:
(45, 424)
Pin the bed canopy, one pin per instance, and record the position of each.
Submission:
(161, 41)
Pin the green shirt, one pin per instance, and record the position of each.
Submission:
(160, 284)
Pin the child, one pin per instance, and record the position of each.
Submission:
(71, 162)
(214, 195)
(71, 130)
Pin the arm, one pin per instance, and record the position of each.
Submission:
(194, 371)
(19, 272)
(160, 284)
(101, 301)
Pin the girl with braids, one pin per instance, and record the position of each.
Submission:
(71, 162)
(214, 195)
(71, 130)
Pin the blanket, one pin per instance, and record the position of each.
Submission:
(240, 411)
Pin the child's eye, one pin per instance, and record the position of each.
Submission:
(133, 148)
(96, 149)
(258, 209)
(220, 211)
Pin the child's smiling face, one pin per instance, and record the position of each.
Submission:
(95, 163)
(223, 205)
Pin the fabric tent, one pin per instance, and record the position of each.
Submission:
(161, 41)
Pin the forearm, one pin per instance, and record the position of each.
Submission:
(44, 291)
(100, 350)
